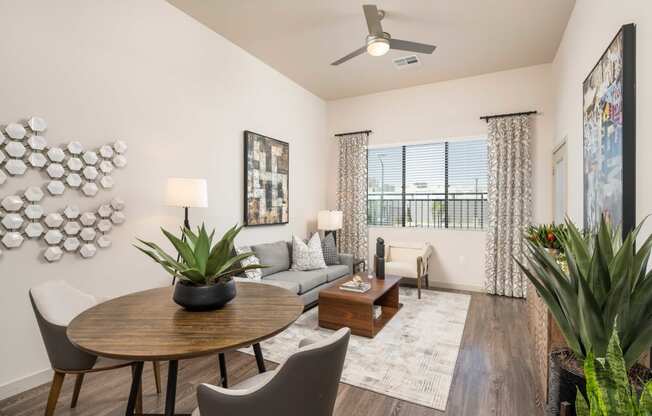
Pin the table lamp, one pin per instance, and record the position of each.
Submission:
(329, 221)
(186, 193)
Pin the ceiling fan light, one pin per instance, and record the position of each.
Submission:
(378, 47)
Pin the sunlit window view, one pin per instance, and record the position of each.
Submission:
(438, 185)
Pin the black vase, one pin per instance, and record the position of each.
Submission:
(204, 298)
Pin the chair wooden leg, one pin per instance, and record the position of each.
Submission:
(419, 286)
(427, 283)
(55, 389)
(157, 375)
(139, 399)
(75, 394)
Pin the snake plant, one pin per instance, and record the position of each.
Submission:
(199, 262)
(608, 389)
(607, 279)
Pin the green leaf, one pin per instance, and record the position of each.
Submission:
(182, 248)
(581, 407)
(645, 404)
(202, 250)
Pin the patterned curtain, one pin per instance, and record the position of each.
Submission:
(510, 201)
(352, 194)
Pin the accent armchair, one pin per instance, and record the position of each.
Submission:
(305, 384)
(55, 304)
(409, 260)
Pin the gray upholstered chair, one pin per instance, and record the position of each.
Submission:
(55, 304)
(304, 384)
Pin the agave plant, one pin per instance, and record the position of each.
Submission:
(200, 262)
(606, 280)
(608, 389)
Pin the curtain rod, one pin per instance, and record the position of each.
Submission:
(524, 113)
(352, 132)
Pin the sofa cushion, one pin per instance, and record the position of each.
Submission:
(307, 280)
(329, 249)
(336, 271)
(307, 256)
(275, 255)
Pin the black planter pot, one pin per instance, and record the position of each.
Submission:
(204, 298)
(563, 383)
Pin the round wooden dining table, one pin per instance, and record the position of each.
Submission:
(149, 326)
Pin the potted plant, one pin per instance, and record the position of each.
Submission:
(204, 271)
(608, 390)
(606, 280)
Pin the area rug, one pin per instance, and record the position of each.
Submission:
(412, 358)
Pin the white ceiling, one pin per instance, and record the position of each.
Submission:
(300, 38)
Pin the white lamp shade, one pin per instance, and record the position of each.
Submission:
(329, 220)
(186, 192)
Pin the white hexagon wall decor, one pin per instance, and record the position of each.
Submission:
(88, 250)
(104, 225)
(15, 131)
(72, 228)
(37, 142)
(37, 124)
(34, 211)
(90, 189)
(75, 148)
(12, 221)
(37, 160)
(23, 216)
(88, 234)
(103, 242)
(15, 167)
(12, 203)
(12, 239)
(90, 157)
(53, 254)
(71, 244)
(55, 170)
(56, 187)
(74, 180)
(33, 194)
(54, 220)
(75, 164)
(56, 154)
(53, 237)
(88, 219)
(15, 149)
(34, 229)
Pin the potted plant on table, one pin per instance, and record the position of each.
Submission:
(204, 271)
(606, 280)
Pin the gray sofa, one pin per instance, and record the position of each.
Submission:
(306, 284)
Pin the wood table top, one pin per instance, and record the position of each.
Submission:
(378, 288)
(148, 325)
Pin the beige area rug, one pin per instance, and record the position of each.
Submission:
(413, 358)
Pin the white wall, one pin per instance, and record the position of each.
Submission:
(592, 26)
(449, 110)
(181, 96)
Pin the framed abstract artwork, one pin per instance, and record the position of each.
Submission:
(266, 178)
(610, 135)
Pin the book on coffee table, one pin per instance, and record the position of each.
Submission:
(351, 286)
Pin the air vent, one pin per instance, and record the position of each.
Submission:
(407, 62)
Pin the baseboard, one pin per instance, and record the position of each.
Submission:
(22, 384)
(456, 286)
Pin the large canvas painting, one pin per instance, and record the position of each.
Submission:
(267, 166)
(609, 135)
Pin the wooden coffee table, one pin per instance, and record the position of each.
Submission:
(340, 308)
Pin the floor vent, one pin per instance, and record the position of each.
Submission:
(407, 61)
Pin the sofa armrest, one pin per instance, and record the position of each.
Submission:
(347, 259)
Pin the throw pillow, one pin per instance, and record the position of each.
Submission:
(253, 274)
(307, 256)
(329, 249)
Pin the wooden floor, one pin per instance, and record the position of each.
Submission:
(494, 376)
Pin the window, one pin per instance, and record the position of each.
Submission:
(439, 185)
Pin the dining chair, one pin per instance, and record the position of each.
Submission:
(55, 304)
(410, 261)
(304, 384)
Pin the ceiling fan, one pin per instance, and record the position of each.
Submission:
(379, 42)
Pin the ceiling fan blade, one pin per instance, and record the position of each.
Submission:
(373, 20)
(351, 55)
(406, 45)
